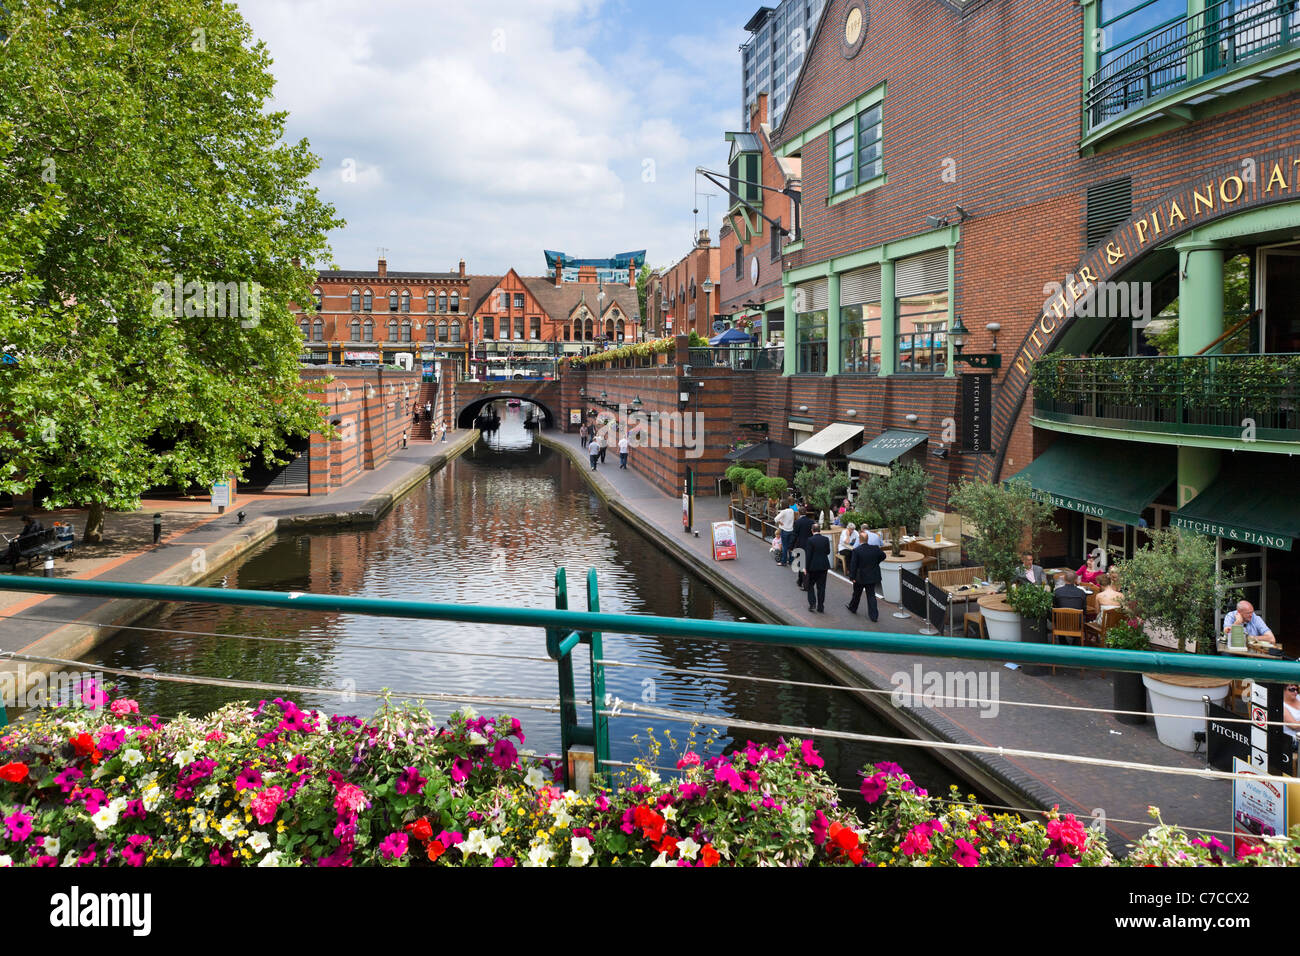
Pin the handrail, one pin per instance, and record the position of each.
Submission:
(1232, 331)
(1152, 662)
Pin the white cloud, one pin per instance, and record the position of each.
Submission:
(495, 130)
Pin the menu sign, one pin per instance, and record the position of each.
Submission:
(976, 414)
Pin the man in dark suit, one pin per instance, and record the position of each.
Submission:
(1069, 594)
(1028, 571)
(819, 564)
(803, 526)
(864, 572)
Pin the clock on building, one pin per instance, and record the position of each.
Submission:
(753, 270)
(855, 28)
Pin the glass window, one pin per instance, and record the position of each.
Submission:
(318, 330)
(406, 330)
(431, 301)
(442, 330)
(406, 302)
(369, 331)
(356, 330)
(842, 157)
(535, 328)
(519, 300)
(366, 301)
(392, 301)
(305, 325)
(860, 338)
(922, 333)
(455, 331)
(1122, 21)
(392, 330)
(442, 302)
(620, 329)
(811, 338)
(320, 300)
(489, 327)
(455, 302)
(503, 302)
(356, 301)
(869, 144)
(519, 327)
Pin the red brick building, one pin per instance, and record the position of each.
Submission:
(689, 290)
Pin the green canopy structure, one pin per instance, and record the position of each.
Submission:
(1106, 479)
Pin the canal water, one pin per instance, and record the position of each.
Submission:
(491, 528)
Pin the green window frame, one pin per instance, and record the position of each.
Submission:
(857, 150)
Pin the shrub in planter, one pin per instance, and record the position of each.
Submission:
(899, 499)
(1129, 693)
(1005, 518)
(857, 518)
(1033, 603)
(776, 488)
(821, 488)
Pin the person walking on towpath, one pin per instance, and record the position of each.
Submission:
(603, 438)
(622, 452)
(593, 449)
(802, 532)
(785, 526)
(819, 565)
(864, 572)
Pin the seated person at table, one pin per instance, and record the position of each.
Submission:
(1108, 597)
(1254, 624)
(1069, 594)
(1090, 571)
(1028, 571)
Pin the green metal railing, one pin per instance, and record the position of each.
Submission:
(1169, 57)
(566, 629)
(1211, 395)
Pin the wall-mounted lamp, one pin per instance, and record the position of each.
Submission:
(636, 403)
(994, 328)
(852, 413)
(959, 333)
(803, 408)
(913, 419)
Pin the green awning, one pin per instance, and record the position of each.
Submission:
(1252, 501)
(1116, 480)
(887, 447)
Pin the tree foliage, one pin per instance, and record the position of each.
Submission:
(140, 155)
(899, 500)
(820, 487)
(1173, 583)
(1006, 518)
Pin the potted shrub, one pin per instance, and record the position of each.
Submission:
(1004, 517)
(753, 479)
(1172, 584)
(1129, 691)
(1033, 603)
(899, 499)
(820, 487)
(733, 475)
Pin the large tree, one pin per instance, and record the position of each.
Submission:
(141, 156)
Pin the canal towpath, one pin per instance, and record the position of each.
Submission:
(1026, 717)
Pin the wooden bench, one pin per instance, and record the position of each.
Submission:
(33, 547)
(956, 577)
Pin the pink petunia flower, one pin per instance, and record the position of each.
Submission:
(394, 846)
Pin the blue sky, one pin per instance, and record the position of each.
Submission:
(497, 129)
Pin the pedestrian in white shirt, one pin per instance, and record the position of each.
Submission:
(593, 449)
(622, 453)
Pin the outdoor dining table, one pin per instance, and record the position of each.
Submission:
(966, 593)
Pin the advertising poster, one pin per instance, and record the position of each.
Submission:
(575, 416)
(686, 511)
(221, 495)
(1258, 807)
(724, 541)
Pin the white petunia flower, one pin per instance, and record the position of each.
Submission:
(183, 758)
(104, 817)
(579, 851)
(474, 843)
(539, 855)
(476, 739)
(5, 861)
(209, 793)
(468, 712)
(200, 822)
(491, 845)
(229, 827)
(670, 814)
(661, 860)
(151, 795)
(688, 848)
(258, 842)
(562, 818)
(52, 845)
(535, 778)
(271, 859)
(651, 777)
(131, 757)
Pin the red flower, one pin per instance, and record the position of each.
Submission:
(668, 845)
(82, 744)
(709, 856)
(436, 850)
(420, 829)
(14, 772)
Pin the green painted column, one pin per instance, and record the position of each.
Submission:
(1200, 322)
(1200, 296)
(791, 330)
(952, 309)
(888, 319)
(833, 357)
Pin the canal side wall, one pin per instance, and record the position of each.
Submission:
(1004, 783)
(209, 550)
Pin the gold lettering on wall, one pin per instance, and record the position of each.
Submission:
(1198, 200)
(1042, 324)
(1142, 227)
(1223, 188)
(1086, 274)
(1275, 177)
(1176, 214)
(1155, 218)
(1113, 253)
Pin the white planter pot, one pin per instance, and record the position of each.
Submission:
(890, 586)
(1001, 625)
(1177, 731)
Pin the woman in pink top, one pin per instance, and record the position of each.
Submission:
(1089, 573)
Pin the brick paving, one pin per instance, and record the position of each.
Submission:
(1122, 795)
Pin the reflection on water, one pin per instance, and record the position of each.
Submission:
(490, 528)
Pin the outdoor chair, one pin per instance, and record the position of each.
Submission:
(974, 619)
(1109, 619)
(1066, 622)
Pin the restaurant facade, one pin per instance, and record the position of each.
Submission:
(1092, 208)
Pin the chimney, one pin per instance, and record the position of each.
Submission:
(383, 268)
(758, 112)
(703, 241)
(462, 268)
(559, 271)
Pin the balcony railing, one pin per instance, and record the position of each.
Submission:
(1223, 36)
(742, 358)
(1243, 397)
